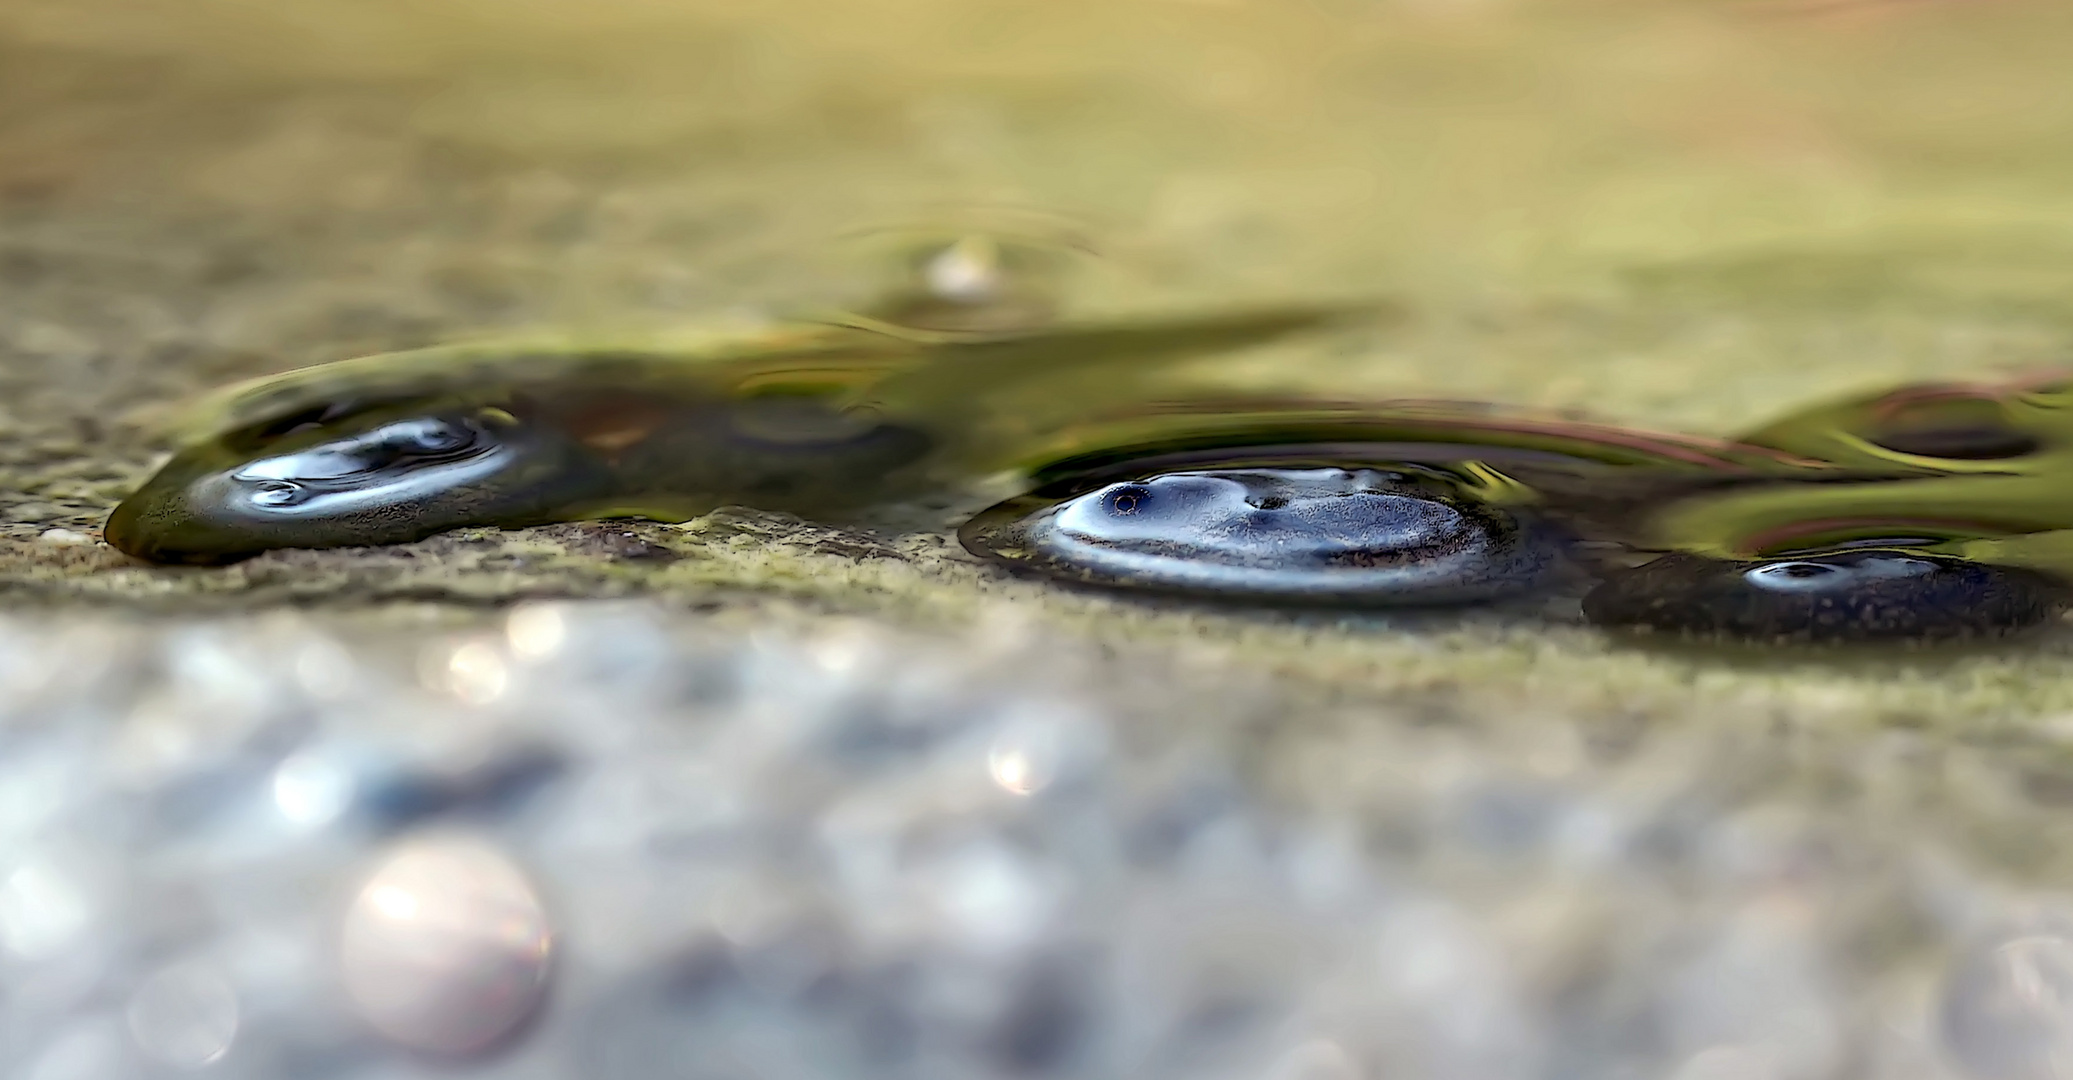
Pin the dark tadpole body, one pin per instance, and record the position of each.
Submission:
(1362, 505)
(392, 474)
(1411, 503)
(1826, 598)
(816, 419)
(541, 453)
(1924, 513)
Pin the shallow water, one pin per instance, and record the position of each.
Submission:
(1484, 843)
(1931, 511)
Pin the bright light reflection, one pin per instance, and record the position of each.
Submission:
(1013, 770)
(838, 654)
(476, 674)
(536, 631)
(399, 904)
(40, 912)
(1024, 759)
(967, 271)
(312, 790)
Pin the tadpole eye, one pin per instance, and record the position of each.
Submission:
(431, 437)
(1790, 572)
(1125, 499)
(411, 442)
(386, 454)
(277, 493)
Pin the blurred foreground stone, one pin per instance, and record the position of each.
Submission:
(607, 840)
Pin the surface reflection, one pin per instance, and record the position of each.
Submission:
(1360, 535)
(1924, 512)
(822, 419)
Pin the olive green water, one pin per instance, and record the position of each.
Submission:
(1668, 216)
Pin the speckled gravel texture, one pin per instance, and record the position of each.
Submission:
(752, 798)
(773, 843)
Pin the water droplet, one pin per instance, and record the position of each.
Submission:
(447, 949)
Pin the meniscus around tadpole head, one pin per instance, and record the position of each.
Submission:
(1305, 534)
(376, 477)
(1291, 500)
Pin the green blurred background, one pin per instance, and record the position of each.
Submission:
(1686, 214)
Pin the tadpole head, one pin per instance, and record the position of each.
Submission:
(381, 476)
(1319, 535)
